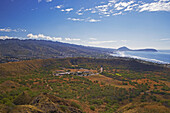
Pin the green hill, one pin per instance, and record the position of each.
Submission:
(125, 85)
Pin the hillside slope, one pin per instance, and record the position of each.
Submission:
(30, 66)
(16, 50)
(125, 85)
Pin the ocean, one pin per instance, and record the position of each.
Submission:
(161, 57)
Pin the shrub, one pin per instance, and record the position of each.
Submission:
(22, 99)
(64, 108)
(92, 108)
(12, 86)
(75, 105)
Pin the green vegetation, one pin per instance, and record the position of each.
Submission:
(92, 108)
(33, 83)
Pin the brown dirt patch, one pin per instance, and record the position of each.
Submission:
(108, 81)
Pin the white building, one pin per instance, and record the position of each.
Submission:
(101, 69)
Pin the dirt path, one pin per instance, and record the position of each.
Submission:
(48, 85)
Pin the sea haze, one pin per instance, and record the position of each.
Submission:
(162, 56)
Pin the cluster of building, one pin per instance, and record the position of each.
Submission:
(85, 72)
(78, 73)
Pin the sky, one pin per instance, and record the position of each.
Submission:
(99, 23)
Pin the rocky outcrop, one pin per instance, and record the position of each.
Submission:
(52, 104)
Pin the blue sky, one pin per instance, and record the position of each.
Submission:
(100, 23)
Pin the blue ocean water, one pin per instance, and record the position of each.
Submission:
(162, 56)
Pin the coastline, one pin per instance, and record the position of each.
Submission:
(158, 57)
(167, 65)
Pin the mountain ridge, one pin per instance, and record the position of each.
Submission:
(17, 50)
(127, 49)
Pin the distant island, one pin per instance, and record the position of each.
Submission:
(127, 49)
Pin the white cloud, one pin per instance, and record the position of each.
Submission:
(93, 20)
(45, 0)
(113, 1)
(93, 11)
(117, 13)
(43, 37)
(101, 42)
(32, 36)
(34, 9)
(49, 0)
(88, 9)
(69, 9)
(122, 5)
(92, 38)
(39, 1)
(86, 20)
(165, 39)
(20, 30)
(75, 19)
(79, 12)
(59, 6)
(5, 37)
(72, 39)
(103, 9)
(12, 30)
(109, 8)
(161, 5)
(131, 7)
(6, 30)
(118, 7)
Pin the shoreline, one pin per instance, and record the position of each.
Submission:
(138, 57)
(167, 65)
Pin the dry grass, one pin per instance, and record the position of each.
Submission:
(8, 86)
(3, 109)
(144, 108)
(85, 107)
(108, 81)
(26, 109)
(150, 82)
(166, 82)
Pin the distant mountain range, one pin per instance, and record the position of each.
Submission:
(16, 50)
(127, 49)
